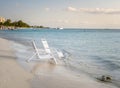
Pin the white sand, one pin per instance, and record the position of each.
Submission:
(42, 75)
(11, 74)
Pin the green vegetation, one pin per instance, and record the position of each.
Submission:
(1, 23)
(19, 23)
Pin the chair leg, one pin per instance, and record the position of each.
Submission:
(31, 57)
(55, 60)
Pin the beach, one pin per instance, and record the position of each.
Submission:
(42, 75)
(60, 44)
(11, 74)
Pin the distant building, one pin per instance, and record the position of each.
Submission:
(2, 19)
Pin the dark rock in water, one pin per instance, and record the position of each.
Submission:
(105, 78)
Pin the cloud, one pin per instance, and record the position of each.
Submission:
(47, 9)
(100, 10)
(71, 9)
(95, 10)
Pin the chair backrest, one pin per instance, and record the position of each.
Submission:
(36, 49)
(46, 46)
(34, 45)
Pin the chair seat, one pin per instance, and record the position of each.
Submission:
(45, 56)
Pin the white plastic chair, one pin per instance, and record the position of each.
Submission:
(47, 55)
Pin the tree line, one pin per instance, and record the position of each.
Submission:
(19, 23)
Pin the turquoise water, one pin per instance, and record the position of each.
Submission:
(94, 52)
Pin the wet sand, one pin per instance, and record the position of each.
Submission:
(55, 76)
(42, 75)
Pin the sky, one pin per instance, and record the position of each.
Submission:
(64, 13)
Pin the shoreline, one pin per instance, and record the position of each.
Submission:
(42, 75)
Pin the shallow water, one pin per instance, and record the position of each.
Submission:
(94, 52)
